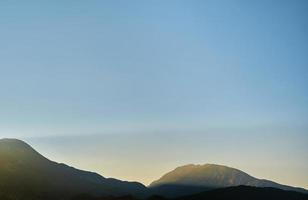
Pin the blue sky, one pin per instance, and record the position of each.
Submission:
(213, 78)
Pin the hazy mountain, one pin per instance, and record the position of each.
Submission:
(25, 174)
(197, 177)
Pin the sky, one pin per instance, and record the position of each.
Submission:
(133, 89)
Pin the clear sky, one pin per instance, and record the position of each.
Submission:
(132, 89)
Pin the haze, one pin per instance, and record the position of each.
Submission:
(133, 89)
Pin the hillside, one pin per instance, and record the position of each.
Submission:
(190, 179)
(25, 174)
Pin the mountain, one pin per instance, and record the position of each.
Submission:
(247, 192)
(27, 175)
(191, 178)
(229, 193)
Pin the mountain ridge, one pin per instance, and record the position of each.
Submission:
(25, 174)
(23, 170)
(214, 176)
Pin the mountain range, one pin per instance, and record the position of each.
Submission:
(27, 175)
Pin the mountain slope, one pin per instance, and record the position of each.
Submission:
(247, 192)
(211, 176)
(25, 174)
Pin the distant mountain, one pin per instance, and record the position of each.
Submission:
(247, 192)
(27, 175)
(190, 179)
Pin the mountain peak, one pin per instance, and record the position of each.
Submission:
(14, 143)
(23, 169)
(197, 175)
(11, 141)
(203, 166)
(16, 147)
(211, 176)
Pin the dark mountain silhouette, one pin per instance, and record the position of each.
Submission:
(229, 193)
(25, 174)
(247, 192)
(190, 179)
(174, 190)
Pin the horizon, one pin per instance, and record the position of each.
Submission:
(133, 89)
(45, 146)
(147, 185)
